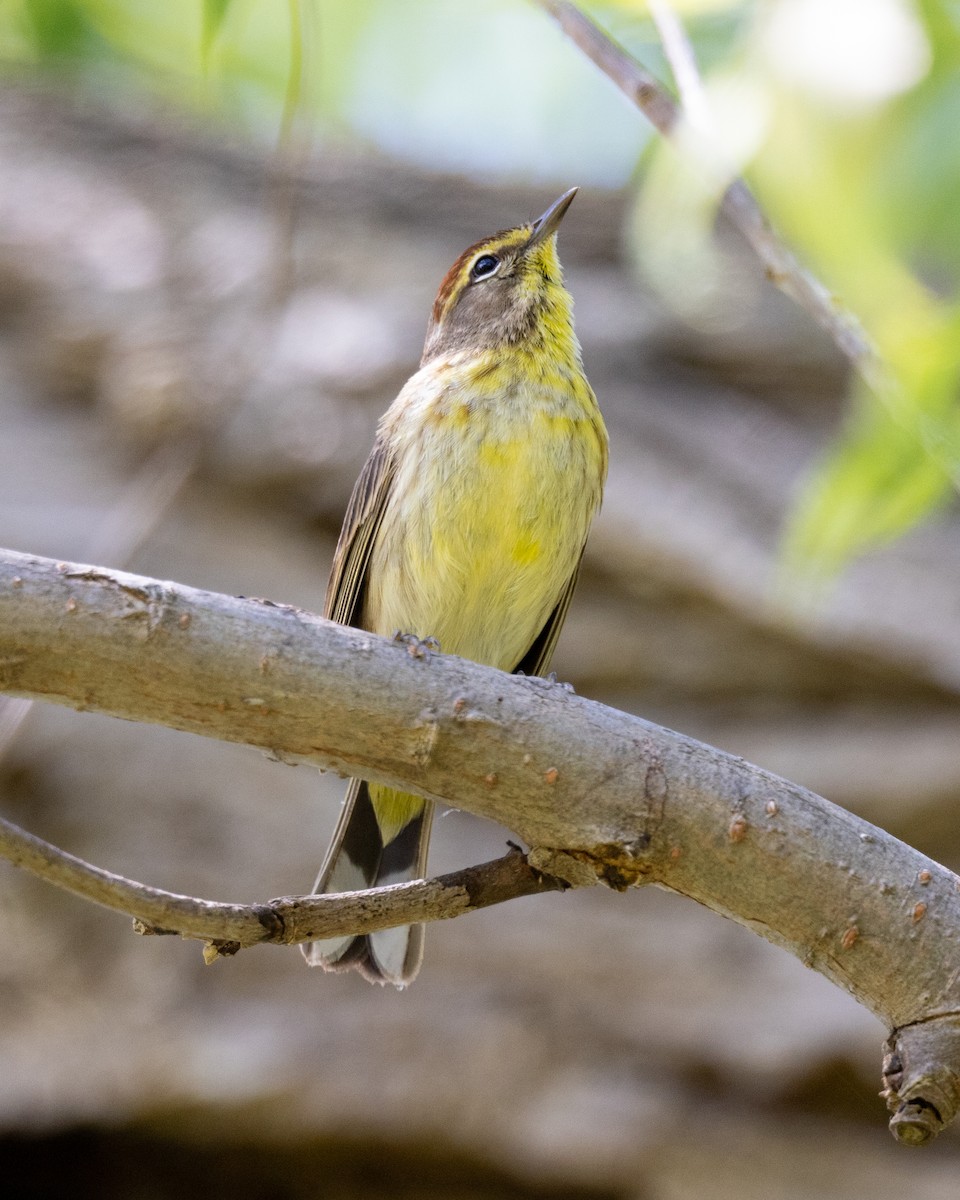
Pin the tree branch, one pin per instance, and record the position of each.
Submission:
(289, 919)
(737, 203)
(622, 798)
(683, 63)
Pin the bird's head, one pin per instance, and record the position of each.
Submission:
(503, 290)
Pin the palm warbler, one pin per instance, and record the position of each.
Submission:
(467, 525)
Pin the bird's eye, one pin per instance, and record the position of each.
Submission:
(485, 265)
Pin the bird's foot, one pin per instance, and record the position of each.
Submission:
(417, 647)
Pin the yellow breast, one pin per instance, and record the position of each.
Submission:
(497, 480)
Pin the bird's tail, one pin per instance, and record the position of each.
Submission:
(381, 838)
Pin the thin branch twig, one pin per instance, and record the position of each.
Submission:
(683, 64)
(738, 204)
(289, 919)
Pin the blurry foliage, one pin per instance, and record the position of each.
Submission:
(843, 116)
(840, 117)
(214, 14)
(874, 484)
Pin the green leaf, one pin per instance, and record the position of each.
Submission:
(214, 15)
(877, 481)
(58, 28)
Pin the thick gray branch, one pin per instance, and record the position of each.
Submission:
(632, 801)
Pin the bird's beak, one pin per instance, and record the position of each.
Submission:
(544, 226)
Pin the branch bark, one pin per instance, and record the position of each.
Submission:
(227, 928)
(628, 801)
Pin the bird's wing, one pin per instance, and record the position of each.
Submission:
(537, 658)
(348, 576)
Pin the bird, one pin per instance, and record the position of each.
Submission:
(465, 528)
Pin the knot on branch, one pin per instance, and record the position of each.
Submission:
(566, 868)
(921, 1078)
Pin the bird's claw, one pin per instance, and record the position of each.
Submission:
(417, 647)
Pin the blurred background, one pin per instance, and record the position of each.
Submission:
(221, 228)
